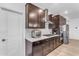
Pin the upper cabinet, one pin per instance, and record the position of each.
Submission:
(34, 16)
(57, 20)
(62, 20)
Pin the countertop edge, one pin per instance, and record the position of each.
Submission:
(39, 39)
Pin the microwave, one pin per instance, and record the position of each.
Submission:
(35, 33)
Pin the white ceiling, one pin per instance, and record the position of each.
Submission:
(60, 8)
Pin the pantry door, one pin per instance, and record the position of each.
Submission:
(14, 33)
(10, 32)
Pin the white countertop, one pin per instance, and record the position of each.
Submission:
(40, 38)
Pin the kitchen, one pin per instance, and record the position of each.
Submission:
(45, 32)
(39, 29)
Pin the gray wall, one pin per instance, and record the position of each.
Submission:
(73, 32)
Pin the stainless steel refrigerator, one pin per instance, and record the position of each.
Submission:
(66, 34)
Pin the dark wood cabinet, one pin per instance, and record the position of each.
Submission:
(34, 16)
(61, 40)
(37, 49)
(62, 20)
(57, 41)
(45, 47)
(51, 44)
(42, 47)
(57, 20)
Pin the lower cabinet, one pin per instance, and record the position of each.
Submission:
(56, 42)
(51, 47)
(37, 49)
(43, 47)
(61, 40)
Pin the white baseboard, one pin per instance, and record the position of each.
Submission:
(74, 39)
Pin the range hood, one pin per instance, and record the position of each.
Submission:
(47, 17)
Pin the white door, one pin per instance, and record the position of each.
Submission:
(14, 34)
(3, 32)
(11, 29)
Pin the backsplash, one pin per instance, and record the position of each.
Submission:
(43, 31)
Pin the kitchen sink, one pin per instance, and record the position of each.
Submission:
(48, 35)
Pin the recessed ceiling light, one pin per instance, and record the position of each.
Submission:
(65, 12)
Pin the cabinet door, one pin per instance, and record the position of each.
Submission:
(51, 44)
(46, 48)
(58, 41)
(37, 49)
(34, 16)
(56, 21)
(54, 43)
(62, 20)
